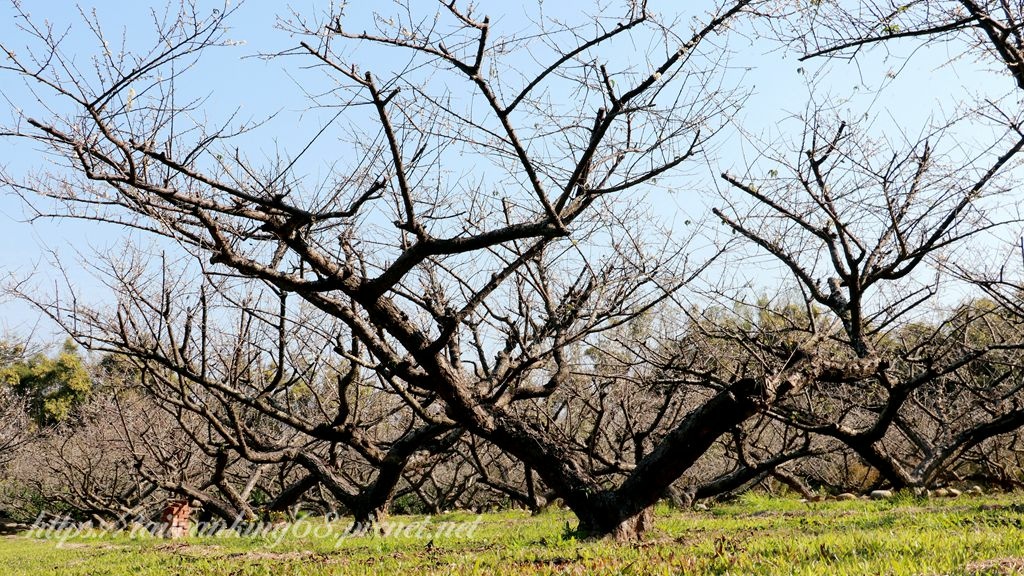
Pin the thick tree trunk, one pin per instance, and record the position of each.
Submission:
(633, 528)
(891, 471)
(370, 505)
(612, 520)
(623, 511)
(372, 508)
(626, 513)
(370, 519)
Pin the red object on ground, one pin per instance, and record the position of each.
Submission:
(175, 518)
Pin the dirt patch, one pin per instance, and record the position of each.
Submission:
(180, 547)
(91, 546)
(190, 550)
(264, 555)
(996, 566)
(215, 551)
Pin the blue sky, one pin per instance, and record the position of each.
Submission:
(225, 76)
(777, 83)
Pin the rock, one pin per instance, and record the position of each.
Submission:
(701, 507)
(846, 496)
(976, 490)
(953, 492)
(940, 493)
(880, 494)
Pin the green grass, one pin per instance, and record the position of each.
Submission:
(754, 535)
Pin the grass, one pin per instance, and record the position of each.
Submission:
(754, 535)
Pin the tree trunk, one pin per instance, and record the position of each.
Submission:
(535, 501)
(890, 470)
(370, 510)
(625, 513)
(370, 519)
(633, 528)
(293, 494)
(611, 515)
(795, 483)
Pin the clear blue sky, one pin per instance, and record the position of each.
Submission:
(923, 87)
(229, 80)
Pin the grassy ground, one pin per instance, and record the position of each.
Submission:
(756, 535)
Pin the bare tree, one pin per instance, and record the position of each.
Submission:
(877, 234)
(989, 29)
(434, 273)
(245, 375)
(176, 453)
(84, 469)
(475, 260)
(120, 455)
(864, 231)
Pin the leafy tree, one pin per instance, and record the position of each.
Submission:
(52, 386)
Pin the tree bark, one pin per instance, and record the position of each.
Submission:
(626, 513)
(370, 517)
(293, 494)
